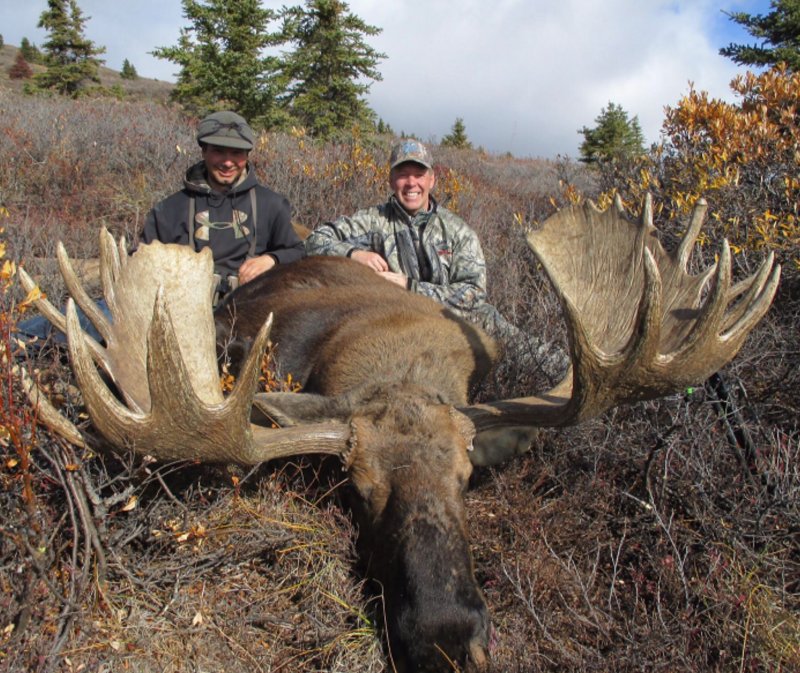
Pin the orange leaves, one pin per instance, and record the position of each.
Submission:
(745, 158)
(269, 381)
(764, 123)
(450, 185)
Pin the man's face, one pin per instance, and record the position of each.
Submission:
(412, 184)
(224, 165)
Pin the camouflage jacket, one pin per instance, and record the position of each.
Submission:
(437, 250)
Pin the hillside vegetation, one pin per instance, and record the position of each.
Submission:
(140, 88)
(661, 537)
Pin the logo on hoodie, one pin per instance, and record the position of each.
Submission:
(205, 225)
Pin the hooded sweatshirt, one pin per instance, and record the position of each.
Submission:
(224, 221)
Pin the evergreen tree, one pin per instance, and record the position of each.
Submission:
(2, 41)
(70, 57)
(221, 61)
(326, 72)
(383, 128)
(128, 71)
(457, 136)
(30, 51)
(614, 137)
(778, 31)
(20, 68)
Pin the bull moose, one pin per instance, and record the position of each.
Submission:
(386, 377)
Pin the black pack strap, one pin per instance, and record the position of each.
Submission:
(190, 222)
(253, 211)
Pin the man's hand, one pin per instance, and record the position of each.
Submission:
(255, 266)
(377, 263)
(397, 278)
(371, 259)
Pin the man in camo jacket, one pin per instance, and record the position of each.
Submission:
(414, 242)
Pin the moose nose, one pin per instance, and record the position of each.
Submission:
(463, 638)
(478, 658)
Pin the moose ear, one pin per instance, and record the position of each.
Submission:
(287, 409)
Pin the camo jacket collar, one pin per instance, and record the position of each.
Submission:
(418, 220)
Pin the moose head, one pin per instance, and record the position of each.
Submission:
(386, 377)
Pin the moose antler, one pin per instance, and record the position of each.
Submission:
(160, 353)
(639, 325)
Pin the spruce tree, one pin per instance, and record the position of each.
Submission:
(70, 57)
(778, 33)
(128, 71)
(221, 61)
(383, 128)
(327, 69)
(30, 51)
(457, 136)
(614, 137)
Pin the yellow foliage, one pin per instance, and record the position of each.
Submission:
(738, 155)
(743, 158)
(451, 185)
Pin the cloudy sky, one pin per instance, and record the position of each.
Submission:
(524, 75)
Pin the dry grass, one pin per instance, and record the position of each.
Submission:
(652, 539)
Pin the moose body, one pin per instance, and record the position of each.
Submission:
(338, 327)
(386, 378)
(393, 365)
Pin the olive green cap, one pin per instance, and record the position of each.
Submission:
(225, 129)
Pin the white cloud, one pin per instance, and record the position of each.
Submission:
(524, 75)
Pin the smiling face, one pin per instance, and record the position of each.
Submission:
(224, 166)
(412, 184)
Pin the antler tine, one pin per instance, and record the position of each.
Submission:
(54, 315)
(754, 291)
(690, 237)
(48, 414)
(112, 256)
(244, 392)
(753, 306)
(42, 303)
(108, 413)
(710, 316)
(79, 294)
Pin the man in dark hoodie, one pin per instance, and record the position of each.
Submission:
(246, 225)
(223, 206)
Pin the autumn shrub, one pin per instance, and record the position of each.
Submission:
(69, 167)
(20, 69)
(741, 157)
(323, 180)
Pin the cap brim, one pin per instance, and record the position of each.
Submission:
(226, 141)
(410, 161)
